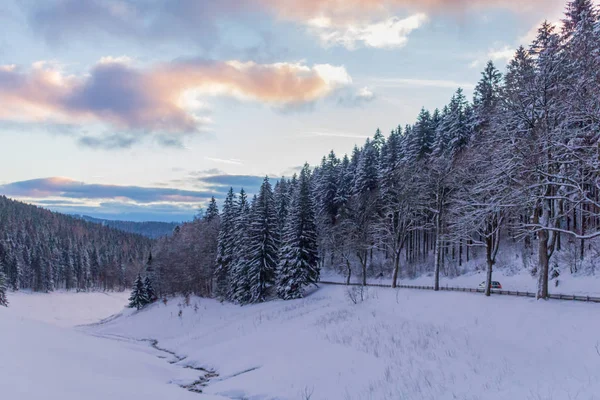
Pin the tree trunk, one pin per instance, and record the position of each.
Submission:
(490, 265)
(438, 258)
(396, 269)
(363, 263)
(349, 272)
(543, 265)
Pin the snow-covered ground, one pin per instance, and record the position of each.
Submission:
(66, 309)
(43, 357)
(520, 280)
(396, 344)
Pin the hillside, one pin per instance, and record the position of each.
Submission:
(150, 229)
(44, 250)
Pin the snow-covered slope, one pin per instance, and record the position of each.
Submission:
(40, 358)
(394, 345)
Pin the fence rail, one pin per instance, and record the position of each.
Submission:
(571, 297)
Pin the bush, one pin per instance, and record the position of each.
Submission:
(357, 294)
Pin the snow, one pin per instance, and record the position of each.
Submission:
(396, 344)
(44, 357)
(66, 309)
(513, 278)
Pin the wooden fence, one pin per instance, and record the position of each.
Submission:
(570, 297)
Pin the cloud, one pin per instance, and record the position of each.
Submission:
(198, 23)
(390, 33)
(191, 21)
(225, 161)
(66, 188)
(356, 98)
(159, 100)
(506, 53)
(335, 134)
(354, 9)
(130, 202)
(438, 83)
(116, 141)
(249, 182)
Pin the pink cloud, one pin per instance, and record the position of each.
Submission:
(119, 95)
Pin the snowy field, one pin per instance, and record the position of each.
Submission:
(393, 345)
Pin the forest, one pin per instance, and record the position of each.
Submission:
(43, 251)
(518, 164)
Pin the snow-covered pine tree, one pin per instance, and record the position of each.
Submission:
(138, 298)
(327, 187)
(225, 247)
(299, 265)
(239, 291)
(282, 203)
(149, 290)
(212, 211)
(151, 273)
(421, 137)
(3, 289)
(263, 244)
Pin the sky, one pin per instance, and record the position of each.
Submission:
(144, 109)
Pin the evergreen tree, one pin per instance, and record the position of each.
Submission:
(3, 289)
(149, 290)
(486, 98)
(212, 211)
(239, 287)
(138, 298)
(299, 254)
(421, 137)
(226, 246)
(327, 187)
(282, 203)
(263, 244)
(367, 170)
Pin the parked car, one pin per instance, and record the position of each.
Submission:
(493, 285)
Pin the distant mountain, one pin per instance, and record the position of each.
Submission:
(150, 229)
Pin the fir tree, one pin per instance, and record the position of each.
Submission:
(212, 211)
(239, 290)
(282, 203)
(138, 298)
(225, 247)
(327, 187)
(299, 254)
(3, 289)
(263, 244)
(149, 290)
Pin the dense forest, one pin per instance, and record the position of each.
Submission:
(151, 229)
(44, 251)
(519, 163)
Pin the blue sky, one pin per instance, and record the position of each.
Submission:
(143, 109)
